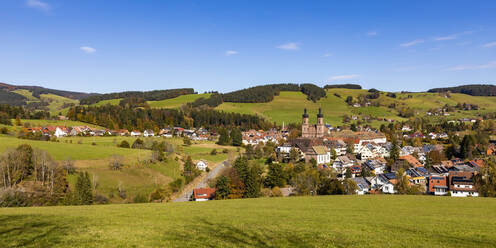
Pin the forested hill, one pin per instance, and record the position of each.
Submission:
(266, 93)
(155, 95)
(471, 89)
(37, 91)
(343, 86)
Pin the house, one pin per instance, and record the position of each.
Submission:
(389, 180)
(376, 166)
(412, 161)
(437, 185)
(203, 194)
(406, 128)
(61, 132)
(201, 165)
(123, 132)
(461, 184)
(341, 163)
(148, 133)
(320, 153)
(135, 133)
(363, 185)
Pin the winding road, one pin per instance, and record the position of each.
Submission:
(204, 183)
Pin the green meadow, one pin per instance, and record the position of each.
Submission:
(62, 150)
(323, 221)
(177, 101)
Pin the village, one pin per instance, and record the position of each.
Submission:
(364, 157)
(361, 155)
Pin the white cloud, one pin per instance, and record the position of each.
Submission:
(343, 77)
(289, 46)
(327, 55)
(88, 49)
(37, 4)
(412, 43)
(490, 44)
(489, 65)
(449, 37)
(231, 52)
(452, 36)
(372, 33)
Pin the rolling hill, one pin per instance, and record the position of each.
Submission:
(325, 221)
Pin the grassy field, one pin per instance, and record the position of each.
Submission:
(178, 101)
(55, 102)
(67, 123)
(326, 221)
(105, 102)
(63, 150)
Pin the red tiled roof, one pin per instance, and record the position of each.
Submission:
(203, 193)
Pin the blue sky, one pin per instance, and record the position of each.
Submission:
(107, 46)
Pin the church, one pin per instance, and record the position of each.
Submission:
(313, 131)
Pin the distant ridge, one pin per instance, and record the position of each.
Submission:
(343, 86)
(470, 89)
(37, 91)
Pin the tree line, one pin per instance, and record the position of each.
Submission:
(472, 89)
(262, 93)
(8, 112)
(343, 86)
(155, 95)
(117, 117)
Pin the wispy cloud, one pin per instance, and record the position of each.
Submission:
(327, 55)
(372, 33)
(449, 37)
(289, 46)
(231, 52)
(489, 65)
(88, 49)
(37, 4)
(343, 77)
(490, 44)
(452, 36)
(412, 43)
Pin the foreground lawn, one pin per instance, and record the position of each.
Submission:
(328, 221)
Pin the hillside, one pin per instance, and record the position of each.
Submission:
(288, 106)
(327, 221)
(37, 91)
(473, 89)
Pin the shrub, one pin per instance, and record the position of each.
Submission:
(276, 192)
(124, 144)
(13, 198)
(4, 130)
(177, 185)
(100, 199)
(140, 198)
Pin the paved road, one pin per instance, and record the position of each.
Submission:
(204, 183)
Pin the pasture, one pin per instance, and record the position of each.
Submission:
(323, 221)
(177, 101)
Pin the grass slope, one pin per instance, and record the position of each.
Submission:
(62, 150)
(327, 221)
(56, 102)
(177, 101)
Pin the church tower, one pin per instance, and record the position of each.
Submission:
(304, 124)
(320, 124)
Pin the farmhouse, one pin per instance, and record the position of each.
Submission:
(201, 165)
(203, 194)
